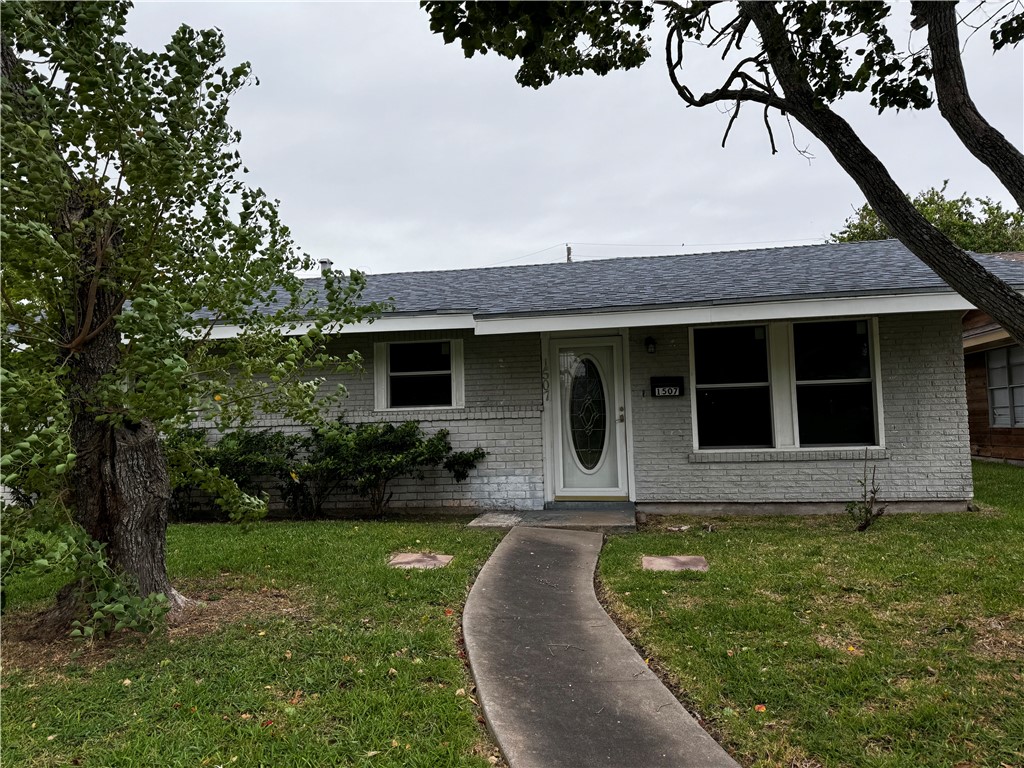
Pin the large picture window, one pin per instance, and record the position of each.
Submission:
(1006, 386)
(418, 374)
(786, 385)
(835, 399)
(734, 407)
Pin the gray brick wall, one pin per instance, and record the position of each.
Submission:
(926, 455)
(502, 414)
(925, 458)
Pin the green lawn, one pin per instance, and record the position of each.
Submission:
(901, 646)
(340, 661)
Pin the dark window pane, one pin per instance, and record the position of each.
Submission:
(588, 414)
(836, 414)
(428, 356)
(734, 418)
(731, 355)
(418, 391)
(836, 350)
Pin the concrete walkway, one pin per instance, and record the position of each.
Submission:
(558, 682)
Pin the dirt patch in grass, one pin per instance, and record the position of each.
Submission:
(215, 606)
(998, 637)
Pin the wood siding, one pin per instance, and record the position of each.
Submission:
(987, 441)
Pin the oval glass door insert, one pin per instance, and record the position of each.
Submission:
(588, 413)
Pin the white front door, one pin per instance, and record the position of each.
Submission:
(589, 419)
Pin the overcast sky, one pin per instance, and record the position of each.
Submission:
(392, 152)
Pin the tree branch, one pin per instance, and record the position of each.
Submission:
(955, 104)
(950, 262)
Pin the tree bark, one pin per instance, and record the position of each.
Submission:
(120, 481)
(951, 263)
(955, 104)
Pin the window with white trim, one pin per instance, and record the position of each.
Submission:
(734, 408)
(835, 399)
(418, 374)
(804, 384)
(1006, 386)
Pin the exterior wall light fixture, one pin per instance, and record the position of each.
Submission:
(650, 345)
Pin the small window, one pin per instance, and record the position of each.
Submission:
(734, 407)
(1006, 386)
(421, 374)
(835, 400)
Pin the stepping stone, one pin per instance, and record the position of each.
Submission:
(675, 563)
(419, 560)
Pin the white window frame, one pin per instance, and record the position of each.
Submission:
(782, 387)
(1010, 386)
(769, 385)
(382, 375)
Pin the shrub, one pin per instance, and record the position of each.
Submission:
(867, 509)
(367, 457)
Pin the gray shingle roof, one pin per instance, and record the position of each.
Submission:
(813, 271)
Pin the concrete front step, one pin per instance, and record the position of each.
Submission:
(591, 518)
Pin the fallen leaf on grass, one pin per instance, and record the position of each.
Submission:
(460, 692)
(760, 708)
(296, 698)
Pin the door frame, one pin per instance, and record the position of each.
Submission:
(552, 428)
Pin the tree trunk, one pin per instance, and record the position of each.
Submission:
(955, 103)
(120, 481)
(963, 274)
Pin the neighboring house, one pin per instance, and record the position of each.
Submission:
(994, 366)
(737, 381)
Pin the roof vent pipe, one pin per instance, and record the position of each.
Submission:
(325, 267)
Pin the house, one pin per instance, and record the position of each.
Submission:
(757, 380)
(994, 366)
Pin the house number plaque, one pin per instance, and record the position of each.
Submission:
(667, 386)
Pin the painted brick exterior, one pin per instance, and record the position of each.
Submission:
(926, 455)
(502, 414)
(925, 458)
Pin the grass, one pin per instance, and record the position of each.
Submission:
(321, 655)
(809, 644)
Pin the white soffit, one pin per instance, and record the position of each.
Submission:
(727, 313)
(640, 318)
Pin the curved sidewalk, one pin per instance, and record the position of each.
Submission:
(558, 683)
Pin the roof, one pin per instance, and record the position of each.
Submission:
(833, 279)
(883, 267)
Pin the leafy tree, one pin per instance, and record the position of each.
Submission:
(123, 213)
(976, 224)
(801, 57)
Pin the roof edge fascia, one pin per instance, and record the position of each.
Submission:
(727, 313)
(639, 318)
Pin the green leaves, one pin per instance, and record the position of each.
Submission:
(549, 39)
(975, 224)
(122, 182)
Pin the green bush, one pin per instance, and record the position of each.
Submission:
(366, 458)
(307, 470)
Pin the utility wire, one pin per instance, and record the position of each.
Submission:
(656, 245)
